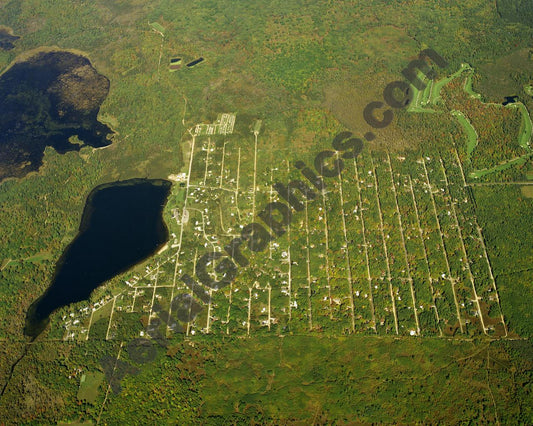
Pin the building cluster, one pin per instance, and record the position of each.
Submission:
(223, 125)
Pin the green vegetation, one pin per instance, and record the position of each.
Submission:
(157, 27)
(501, 211)
(496, 129)
(292, 379)
(89, 384)
(286, 381)
(401, 295)
(524, 139)
(470, 132)
(516, 10)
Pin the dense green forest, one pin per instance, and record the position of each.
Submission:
(516, 10)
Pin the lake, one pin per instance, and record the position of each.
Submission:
(45, 100)
(122, 225)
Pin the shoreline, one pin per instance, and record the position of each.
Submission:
(28, 54)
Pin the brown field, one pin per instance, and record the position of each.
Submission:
(495, 83)
(527, 191)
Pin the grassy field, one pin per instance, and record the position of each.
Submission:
(89, 384)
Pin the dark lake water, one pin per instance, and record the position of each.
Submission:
(122, 224)
(509, 100)
(7, 39)
(45, 100)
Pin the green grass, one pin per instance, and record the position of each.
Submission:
(89, 385)
(158, 27)
(524, 138)
(471, 133)
(500, 167)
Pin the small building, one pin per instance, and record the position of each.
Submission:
(175, 64)
(223, 125)
(195, 62)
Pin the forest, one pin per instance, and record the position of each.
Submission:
(317, 350)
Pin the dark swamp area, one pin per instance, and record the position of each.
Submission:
(7, 39)
(122, 225)
(44, 101)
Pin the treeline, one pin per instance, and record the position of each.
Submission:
(516, 11)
